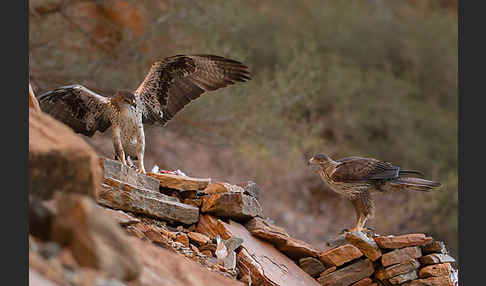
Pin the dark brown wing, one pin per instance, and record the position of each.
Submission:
(363, 169)
(173, 82)
(78, 107)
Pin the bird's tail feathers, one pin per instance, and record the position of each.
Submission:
(402, 172)
(412, 184)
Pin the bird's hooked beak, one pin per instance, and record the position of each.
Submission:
(310, 162)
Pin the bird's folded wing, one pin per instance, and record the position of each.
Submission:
(363, 169)
(78, 107)
(173, 82)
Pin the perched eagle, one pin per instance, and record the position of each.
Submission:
(170, 84)
(357, 178)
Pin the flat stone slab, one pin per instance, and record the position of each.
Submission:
(292, 247)
(402, 278)
(296, 248)
(121, 217)
(96, 240)
(199, 238)
(59, 159)
(431, 281)
(214, 188)
(311, 266)
(340, 255)
(211, 226)
(233, 205)
(397, 269)
(349, 274)
(436, 270)
(363, 282)
(328, 270)
(258, 259)
(116, 170)
(436, 258)
(149, 193)
(263, 229)
(130, 198)
(401, 255)
(181, 183)
(434, 247)
(391, 242)
(366, 244)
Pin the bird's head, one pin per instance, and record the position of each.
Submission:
(319, 160)
(126, 97)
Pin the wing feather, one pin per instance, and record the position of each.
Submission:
(175, 81)
(364, 169)
(78, 107)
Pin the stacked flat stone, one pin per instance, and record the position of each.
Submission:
(356, 258)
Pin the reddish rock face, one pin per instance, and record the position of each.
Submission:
(141, 201)
(59, 159)
(328, 270)
(267, 231)
(397, 269)
(311, 265)
(434, 247)
(366, 244)
(391, 242)
(399, 279)
(198, 238)
(435, 270)
(180, 183)
(431, 281)
(114, 169)
(233, 205)
(183, 239)
(264, 264)
(296, 248)
(363, 282)
(120, 217)
(95, 239)
(436, 258)
(214, 188)
(349, 274)
(400, 255)
(340, 255)
(163, 267)
(292, 247)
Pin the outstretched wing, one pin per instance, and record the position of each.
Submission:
(78, 107)
(363, 169)
(173, 82)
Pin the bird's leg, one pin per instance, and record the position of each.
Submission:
(117, 144)
(361, 214)
(130, 162)
(141, 148)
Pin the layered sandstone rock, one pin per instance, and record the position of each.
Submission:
(188, 230)
(59, 159)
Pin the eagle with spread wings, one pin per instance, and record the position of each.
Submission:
(170, 84)
(357, 178)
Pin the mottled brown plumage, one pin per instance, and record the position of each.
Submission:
(358, 178)
(170, 84)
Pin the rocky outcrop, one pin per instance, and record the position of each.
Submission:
(95, 240)
(115, 170)
(189, 231)
(59, 160)
(234, 205)
(126, 197)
